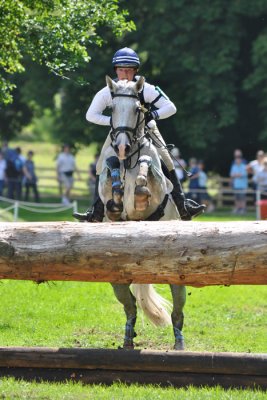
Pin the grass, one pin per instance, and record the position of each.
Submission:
(69, 391)
(45, 154)
(76, 314)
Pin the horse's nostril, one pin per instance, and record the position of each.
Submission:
(127, 149)
(116, 148)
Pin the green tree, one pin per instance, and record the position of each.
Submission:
(54, 33)
(209, 57)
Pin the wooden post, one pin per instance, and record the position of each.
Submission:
(184, 253)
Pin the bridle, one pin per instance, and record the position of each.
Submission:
(129, 131)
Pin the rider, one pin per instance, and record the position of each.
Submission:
(126, 63)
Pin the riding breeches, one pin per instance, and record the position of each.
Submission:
(160, 146)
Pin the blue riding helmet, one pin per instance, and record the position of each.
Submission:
(126, 57)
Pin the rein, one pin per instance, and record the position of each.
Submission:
(159, 213)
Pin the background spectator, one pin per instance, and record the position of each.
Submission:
(193, 181)
(66, 166)
(178, 165)
(14, 172)
(2, 173)
(261, 179)
(255, 166)
(239, 176)
(30, 178)
(204, 197)
(92, 175)
(239, 153)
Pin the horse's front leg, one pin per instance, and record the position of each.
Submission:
(142, 194)
(179, 299)
(125, 296)
(115, 205)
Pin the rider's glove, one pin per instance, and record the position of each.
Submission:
(151, 115)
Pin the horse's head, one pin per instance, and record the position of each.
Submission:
(127, 115)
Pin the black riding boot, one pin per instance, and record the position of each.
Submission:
(96, 213)
(187, 208)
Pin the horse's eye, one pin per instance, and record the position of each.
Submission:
(138, 109)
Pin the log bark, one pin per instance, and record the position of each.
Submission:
(178, 252)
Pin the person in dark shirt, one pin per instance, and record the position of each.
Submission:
(30, 178)
(194, 180)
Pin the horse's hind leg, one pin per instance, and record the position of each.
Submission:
(179, 299)
(125, 296)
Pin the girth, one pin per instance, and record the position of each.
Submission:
(159, 213)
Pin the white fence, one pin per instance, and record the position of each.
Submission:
(41, 208)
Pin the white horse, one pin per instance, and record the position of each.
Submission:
(133, 187)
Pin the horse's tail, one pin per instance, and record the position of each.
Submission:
(154, 306)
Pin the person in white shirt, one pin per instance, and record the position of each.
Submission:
(126, 63)
(179, 164)
(66, 166)
(261, 179)
(255, 166)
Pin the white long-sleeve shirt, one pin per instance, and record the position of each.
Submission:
(103, 99)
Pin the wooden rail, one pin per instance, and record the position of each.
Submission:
(106, 366)
(178, 252)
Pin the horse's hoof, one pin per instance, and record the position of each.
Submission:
(179, 344)
(142, 191)
(113, 216)
(141, 181)
(142, 197)
(128, 345)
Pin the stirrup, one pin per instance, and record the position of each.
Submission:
(88, 216)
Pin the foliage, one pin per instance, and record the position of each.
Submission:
(204, 70)
(213, 71)
(209, 57)
(54, 33)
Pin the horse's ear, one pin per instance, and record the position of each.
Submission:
(139, 84)
(111, 84)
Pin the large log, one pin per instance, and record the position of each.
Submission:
(106, 366)
(135, 360)
(184, 253)
(109, 377)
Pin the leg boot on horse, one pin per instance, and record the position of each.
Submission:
(127, 299)
(115, 205)
(179, 299)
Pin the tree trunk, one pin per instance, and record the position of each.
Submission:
(179, 252)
